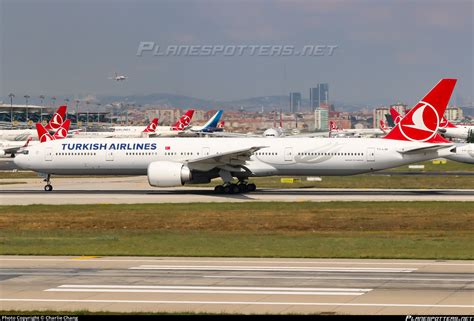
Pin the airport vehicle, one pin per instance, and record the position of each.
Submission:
(22, 135)
(174, 162)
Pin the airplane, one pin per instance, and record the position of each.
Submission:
(210, 126)
(449, 130)
(175, 162)
(341, 132)
(11, 147)
(119, 77)
(23, 134)
(463, 153)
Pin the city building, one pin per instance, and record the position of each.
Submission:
(295, 102)
(321, 119)
(379, 114)
(453, 114)
(319, 97)
(400, 108)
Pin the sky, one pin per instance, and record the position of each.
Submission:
(386, 51)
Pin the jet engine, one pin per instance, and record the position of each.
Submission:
(2, 152)
(168, 174)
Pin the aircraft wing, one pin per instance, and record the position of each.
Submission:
(232, 159)
(427, 148)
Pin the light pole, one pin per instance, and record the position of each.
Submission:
(42, 106)
(98, 108)
(26, 99)
(11, 95)
(87, 103)
(66, 100)
(77, 111)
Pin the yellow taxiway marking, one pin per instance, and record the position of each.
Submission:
(84, 258)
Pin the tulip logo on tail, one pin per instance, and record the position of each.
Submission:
(184, 121)
(152, 126)
(58, 119)
(61, 133)
(422, 122)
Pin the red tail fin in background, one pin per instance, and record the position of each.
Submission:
(152, 126)
(396, 117)
(184, 121)
(62, 130)
(422, 121)
(332, 126)
(58, 119)
(446, 124)
(383, 126)
(43, 134)
(221, 124)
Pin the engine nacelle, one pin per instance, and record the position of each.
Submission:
(168, 174)
(2, 152)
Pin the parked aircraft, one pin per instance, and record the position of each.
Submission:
(23, 134)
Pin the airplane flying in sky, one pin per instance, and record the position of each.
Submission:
(23, 134)
(118, 77)
(174, 162)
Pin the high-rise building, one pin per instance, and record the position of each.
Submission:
(379, 114)
(295, 102)
(319, 96)
(453, 113)
(321, 119)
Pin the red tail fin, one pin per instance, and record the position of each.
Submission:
(221, 124)
(395, 116)
(62, 130)
(446, 123)
(332, 126)
(184, 121)
(58, 119)
(383, 126)
(43, 134)
(152, 126)
(422, 121)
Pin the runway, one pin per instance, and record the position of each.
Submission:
(131, 190)
(235, 285)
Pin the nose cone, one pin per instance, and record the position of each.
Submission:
(21, 161)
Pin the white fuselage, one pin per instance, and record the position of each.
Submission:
(461, 132)
(279, 156)
(464, 154)
(18, 134)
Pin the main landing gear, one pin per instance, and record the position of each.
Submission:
(48, 187)
(239, 188)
